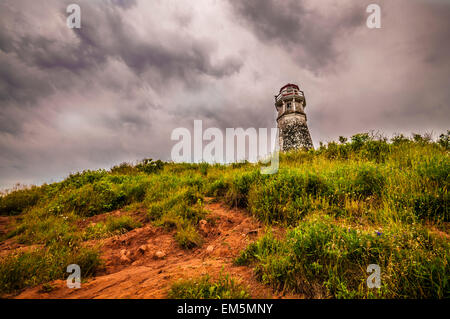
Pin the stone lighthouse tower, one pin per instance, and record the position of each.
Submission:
(291, 119)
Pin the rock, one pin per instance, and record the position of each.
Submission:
(203, 226)
(142, 249)
(125, 259)
(125, 253)
(253, 232)
(159, 255)
(210, 248)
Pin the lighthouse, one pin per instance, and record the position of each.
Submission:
(293, 132)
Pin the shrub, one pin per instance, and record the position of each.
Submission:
(31, 268)
(224, 287)
(399, 139)
(112, 226)
(203, 168)
(188, 237)
(156, 210)
(358, 140)
(78, 180)
(431, 207)
(436, 169)
(286, 197)
(41, 228)
(124, 169)
(181, 210)
(319, 258)
(134, 188)
(16, 202)
(121, 224)
(444, 140)
(377, 151)
(217, 188)
(240, 186)
(89, 200)
(265, 246)
(149, 166)
(369, 181)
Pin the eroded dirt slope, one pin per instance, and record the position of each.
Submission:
(144, 262)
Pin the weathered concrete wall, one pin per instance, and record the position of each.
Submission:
(293, 132)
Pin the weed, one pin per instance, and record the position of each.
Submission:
(188, 237)
(204, 287)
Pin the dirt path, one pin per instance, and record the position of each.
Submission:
(133, 271)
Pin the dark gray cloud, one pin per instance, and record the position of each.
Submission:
(308, 34)
(115, 89)
(126, 4)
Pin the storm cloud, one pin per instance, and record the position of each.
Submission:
(113, 91)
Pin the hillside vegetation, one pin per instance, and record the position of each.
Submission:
(333, 211)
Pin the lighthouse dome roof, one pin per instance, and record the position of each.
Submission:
(289, 85)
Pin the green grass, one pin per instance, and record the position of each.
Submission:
(112, 226)
(16, 202)
(332, 200)
(31, 268)
(188, 237)
(319, 258)
(225, 287)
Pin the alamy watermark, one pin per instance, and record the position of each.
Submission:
(74, 279)
(190, 147)
(374, 19)
(74, 19)
(374, 280)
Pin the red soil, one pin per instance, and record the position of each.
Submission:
(133, 271)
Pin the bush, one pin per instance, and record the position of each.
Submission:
(369, 181)
(444, 140)
(25, 269)
(431, 207)
(16, 202)
(149, 166)
(78, 180)
(134, 189)
(188, 237)
(217, 188)
(124, 169)
(320, 259)
(399, 139)
(112, 226)
(437, 170)
(359, 140)
(89, 200)
(286, 197)
(179, 209)
(121, 224)
(377, 151)
(204, 288)
(240, 186)
(39, 227)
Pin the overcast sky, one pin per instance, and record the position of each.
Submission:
(113, 91)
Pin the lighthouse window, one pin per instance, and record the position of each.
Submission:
(289, 105)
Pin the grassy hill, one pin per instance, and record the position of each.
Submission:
(334, 210)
